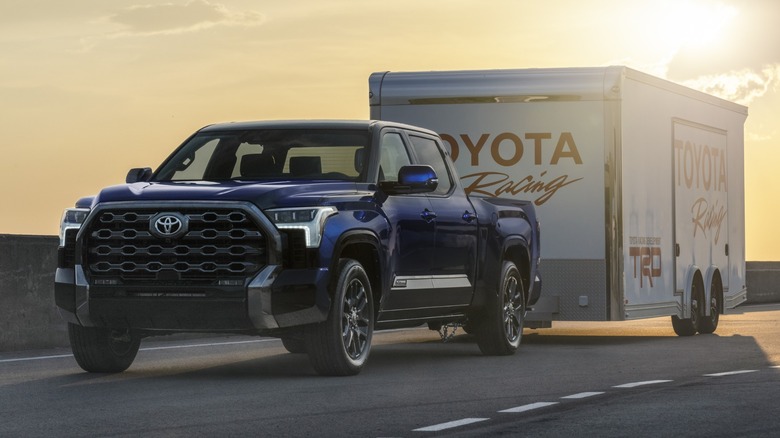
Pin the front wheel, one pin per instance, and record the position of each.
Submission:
(103, 350)
(500, 329)
(340, 345)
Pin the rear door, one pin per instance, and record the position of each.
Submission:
(701, 201)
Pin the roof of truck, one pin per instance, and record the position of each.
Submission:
(309, 124)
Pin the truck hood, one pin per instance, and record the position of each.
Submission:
(262, 194)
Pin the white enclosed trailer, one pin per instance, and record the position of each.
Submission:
(639, 182)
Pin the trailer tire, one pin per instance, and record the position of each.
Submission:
(689, 326)
(103, 350)
(500, 329)
(340, 345)
(683, 327)
(708, 324)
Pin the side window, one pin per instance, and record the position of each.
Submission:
(430, 154)
(392, 156)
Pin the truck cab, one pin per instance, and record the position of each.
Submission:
(316, 232)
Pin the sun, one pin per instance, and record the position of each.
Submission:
(697, 25)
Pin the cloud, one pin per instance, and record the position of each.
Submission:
(173, 18)
(756, 137)
(741, 86)
(744, 64)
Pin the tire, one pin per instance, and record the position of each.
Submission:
(500, 329)
(708, 324)
(683, 327)
(689, 327)
(103, 350)
(294, 345)
(340, 345)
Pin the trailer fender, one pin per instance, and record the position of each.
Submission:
(711, 274)
(690, 277)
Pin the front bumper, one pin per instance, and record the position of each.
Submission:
(274, 298)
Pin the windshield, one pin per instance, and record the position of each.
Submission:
(269, 154)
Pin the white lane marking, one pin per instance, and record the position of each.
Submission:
(24, 359)
(166, 347)
(647, 382)
(582, 395)
(528, 407)
(450, 425)
(775, 366)
(730, 373)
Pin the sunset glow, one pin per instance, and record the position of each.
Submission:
(697, 24)
(91, 89)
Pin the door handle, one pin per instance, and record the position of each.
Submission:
(428, 215)
(469, 216)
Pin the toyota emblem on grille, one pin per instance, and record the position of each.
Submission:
(168, 225)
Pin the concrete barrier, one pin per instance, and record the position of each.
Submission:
(30, 320)
(28, 317)
(763, 282)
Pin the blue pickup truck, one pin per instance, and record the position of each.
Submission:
(315, 232)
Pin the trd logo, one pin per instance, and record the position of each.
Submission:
(647, 260)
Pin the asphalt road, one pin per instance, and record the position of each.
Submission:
(577, 379)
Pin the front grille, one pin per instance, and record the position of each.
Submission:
(219, 243)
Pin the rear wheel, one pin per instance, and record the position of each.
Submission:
(340, 345)
(708, 324)
(103, 350)
(500, 329)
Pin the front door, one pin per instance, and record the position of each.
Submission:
(454, 262)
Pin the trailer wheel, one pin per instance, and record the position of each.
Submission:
(103, 350)
(689, 327)
(500, 330)
(340, 345)
(708, 324)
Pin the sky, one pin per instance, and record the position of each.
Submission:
(92, 88)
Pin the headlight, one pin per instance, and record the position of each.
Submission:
(72, 220)
(309, 219)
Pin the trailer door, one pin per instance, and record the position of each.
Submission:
(701, 205)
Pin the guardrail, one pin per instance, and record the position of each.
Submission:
(30, 320)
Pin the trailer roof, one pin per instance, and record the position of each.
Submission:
(519, 85)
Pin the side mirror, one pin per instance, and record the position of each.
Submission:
(412, 179)
(139, 174)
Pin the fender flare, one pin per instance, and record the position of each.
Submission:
(511, 243)
(362, 236)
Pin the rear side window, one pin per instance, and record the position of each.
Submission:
(429, 153)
